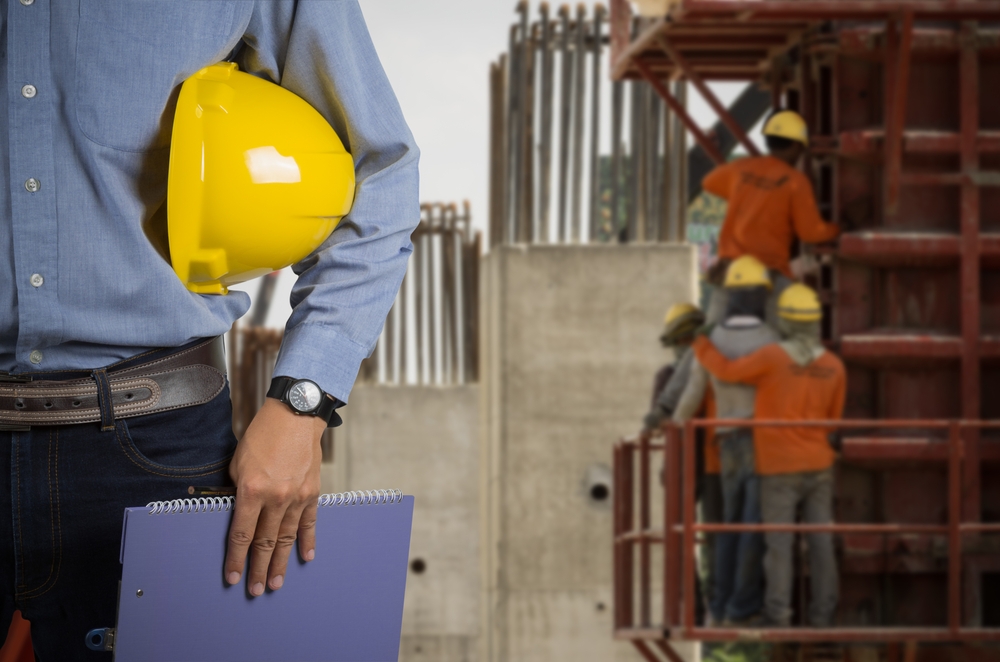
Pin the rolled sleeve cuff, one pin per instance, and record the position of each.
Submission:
(318, 353)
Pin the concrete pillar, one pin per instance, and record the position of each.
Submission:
(569, 349)
(424, 441)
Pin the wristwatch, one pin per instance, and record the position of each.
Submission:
(305, 398)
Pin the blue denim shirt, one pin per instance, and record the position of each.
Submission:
(82, 283)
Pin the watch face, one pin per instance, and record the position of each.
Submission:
(304, 396)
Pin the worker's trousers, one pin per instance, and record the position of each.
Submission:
(63, 492)
(781, 495)
(711, 513)
(738, 591)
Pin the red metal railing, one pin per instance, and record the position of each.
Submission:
(678, 538)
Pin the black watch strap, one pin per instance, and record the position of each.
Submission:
(327, 409)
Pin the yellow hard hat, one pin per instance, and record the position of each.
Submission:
(799, 303)
(681, 319)
(788, 124)
(258, 179)
(747, 271)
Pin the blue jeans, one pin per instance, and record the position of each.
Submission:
(739, 572)
(63, 491)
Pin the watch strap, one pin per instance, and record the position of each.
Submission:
(327, 409)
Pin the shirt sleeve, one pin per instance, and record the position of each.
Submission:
(750, 369)
(809, 225)
(321, 51)
(693, 395)
(671, 393)
(720, 181)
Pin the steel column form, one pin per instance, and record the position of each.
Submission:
(897, 61)
(704, 141)
(720, 111)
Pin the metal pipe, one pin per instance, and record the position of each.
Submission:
(645, 600)
(674, 548)
(617, 100)
(513, 135)
(896, 120)
(675, 105)
(709, 96)
(636, 175)
(954, 530)
(595, 123)
(565, 118)
(545, 129)
(525, 221)
(690, 564)
(579, 90)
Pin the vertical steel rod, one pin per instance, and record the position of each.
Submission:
(954, 531)
(617, 101)
(690, 564)
(565, 118)
(673, 545)
(498, 151)
(526, 221)
(579, 92)
(595, 123)
(514, 160)
(896, 121)
(545, 129)
(645, 577)
(683, 186)
(970, 265)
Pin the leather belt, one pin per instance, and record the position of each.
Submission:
(191, 376)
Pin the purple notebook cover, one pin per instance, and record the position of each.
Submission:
(345, 606)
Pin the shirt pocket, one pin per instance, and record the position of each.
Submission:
(132, 56)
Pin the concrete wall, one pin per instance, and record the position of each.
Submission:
(569, 348)
(424, 441)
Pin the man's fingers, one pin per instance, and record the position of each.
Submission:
(265, 540)
(241, 532)
(307, 532)
(283, 548)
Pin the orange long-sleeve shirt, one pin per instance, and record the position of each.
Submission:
(770, 203)
(785, 391)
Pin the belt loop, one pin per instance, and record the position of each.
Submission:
(104, 399)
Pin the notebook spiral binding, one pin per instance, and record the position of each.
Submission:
(226, 503)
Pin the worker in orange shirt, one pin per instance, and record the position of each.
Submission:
(770, 203)
(796, 379)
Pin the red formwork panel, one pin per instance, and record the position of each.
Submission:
(915, 306)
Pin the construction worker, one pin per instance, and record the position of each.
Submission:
(738, 585)
(770, 203)
(679, 326)
(796, 379)
(113, 357)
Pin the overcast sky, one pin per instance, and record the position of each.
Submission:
(437, 54)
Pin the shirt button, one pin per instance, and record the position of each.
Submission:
(27, 2)
(37, 280)
(28, 91)
(32, 185)
(36, 356)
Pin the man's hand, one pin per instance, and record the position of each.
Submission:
(276, 471)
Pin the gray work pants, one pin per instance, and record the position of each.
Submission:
(780, 495)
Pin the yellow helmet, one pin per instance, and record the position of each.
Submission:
(788, 124)
(747, 271)
(258, 179)
(799, 303)
(682, 319)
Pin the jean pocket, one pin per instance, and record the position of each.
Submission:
(193, 441)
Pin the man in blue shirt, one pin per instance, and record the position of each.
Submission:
(91, 87)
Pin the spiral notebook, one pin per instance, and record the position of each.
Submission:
(345, 606)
